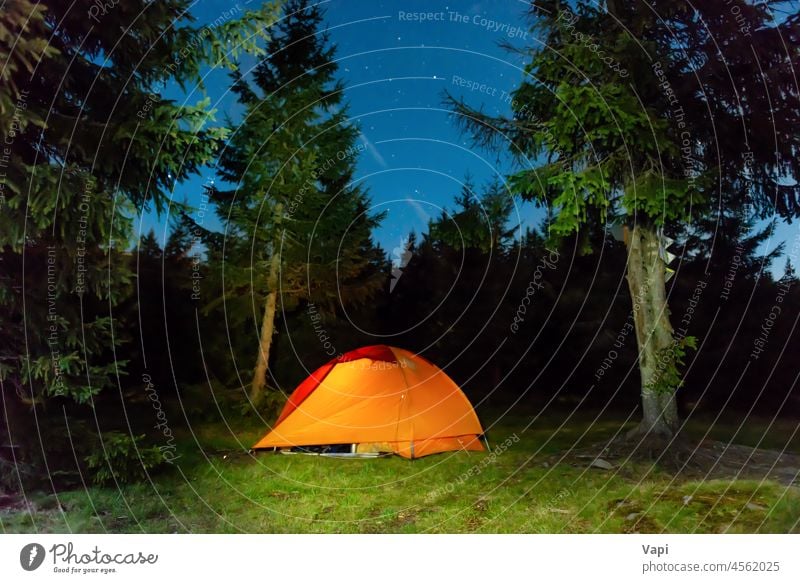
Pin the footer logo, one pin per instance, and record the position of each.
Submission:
(31, 556)
(65, 558)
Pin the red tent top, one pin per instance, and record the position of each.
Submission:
(377, 352)
(304, 389)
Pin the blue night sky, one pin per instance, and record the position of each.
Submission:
(395, 71)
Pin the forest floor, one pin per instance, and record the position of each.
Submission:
(537, 481)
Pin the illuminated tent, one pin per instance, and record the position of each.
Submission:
(378, 399)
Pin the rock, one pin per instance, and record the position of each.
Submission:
(752, 506)
(686, 500)
(632, 516)
(601, 463)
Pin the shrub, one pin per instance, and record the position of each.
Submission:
(123, 458)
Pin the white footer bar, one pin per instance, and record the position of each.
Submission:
(401, 558)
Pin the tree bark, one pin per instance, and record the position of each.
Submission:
(268, 320)
(646, 281)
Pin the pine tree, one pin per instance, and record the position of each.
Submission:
(298, 229)
(468, 195)
(727, 242)
(478, 222)
(87, 140)
(616, 110)
(789, 272)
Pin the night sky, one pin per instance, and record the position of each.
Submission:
(396, 67)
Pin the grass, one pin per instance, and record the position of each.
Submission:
(518, 491)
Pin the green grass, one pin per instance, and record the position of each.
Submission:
(519, 492)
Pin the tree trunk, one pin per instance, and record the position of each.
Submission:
(268, 320)
(646, 281)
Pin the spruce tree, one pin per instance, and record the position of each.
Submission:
(88, 140)
(478, 222)
(297, 230)
(647, 111)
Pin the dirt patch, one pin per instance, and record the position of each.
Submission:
(476, 519)
(481, 505)
(325, 513)
(372, 528)
(474, 523)
(403, 518)
(379, 520)
(640, 523)
(707, 459)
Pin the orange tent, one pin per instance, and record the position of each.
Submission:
(378, 398)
